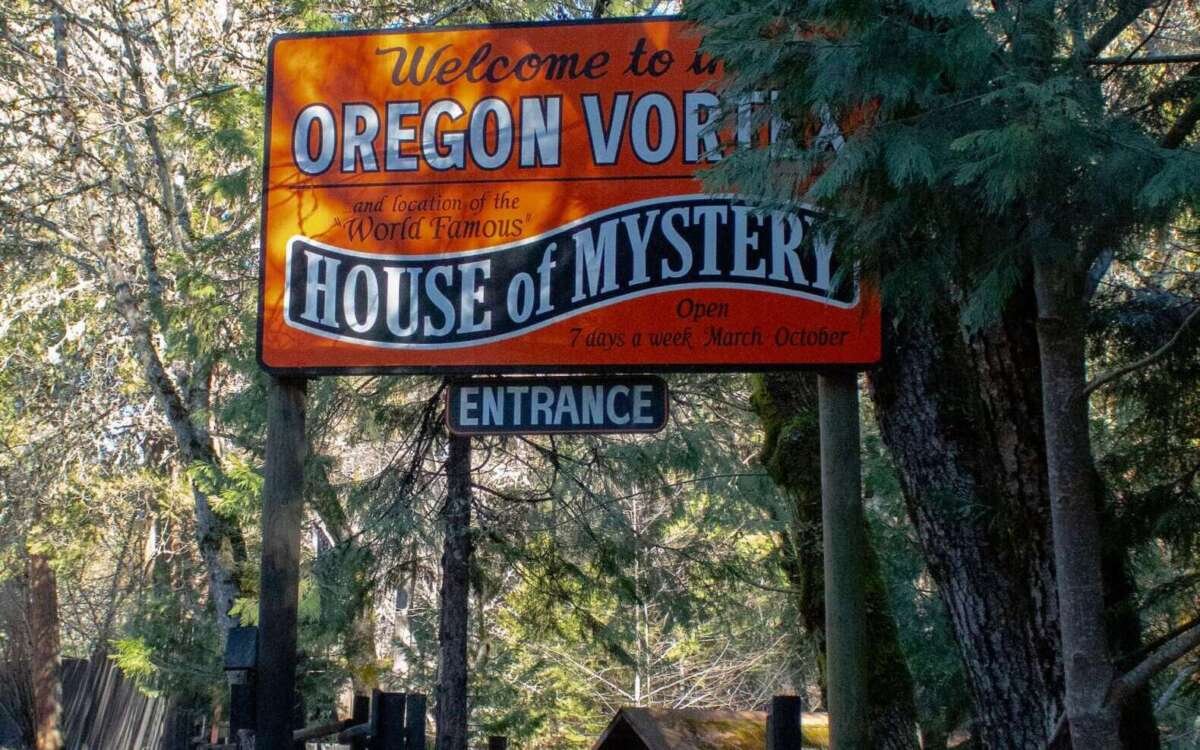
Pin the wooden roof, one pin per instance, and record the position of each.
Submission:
(698, 729)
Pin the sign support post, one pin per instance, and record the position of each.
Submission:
(454, 609)
(282, 509)
(844, 532)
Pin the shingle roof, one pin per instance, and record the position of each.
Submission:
(700, 729)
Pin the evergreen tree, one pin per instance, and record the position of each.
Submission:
(996, 169)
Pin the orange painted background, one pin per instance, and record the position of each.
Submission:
(344, 68)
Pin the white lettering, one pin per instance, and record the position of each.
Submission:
(314, 284)
(605, 141)
(322, 117)
(467, 406)
(358, 143)
(455, 156)
(541, 123)
(350, 299)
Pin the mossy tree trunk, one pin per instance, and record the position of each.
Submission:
(787, 405)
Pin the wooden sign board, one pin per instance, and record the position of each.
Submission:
(525, 198)
(498, 406)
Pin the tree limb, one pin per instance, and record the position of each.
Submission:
(1158, 660)
(1145, 40)
(1149, 359)
(1184, 675)
(1193, 57)
(1183, 126)
(1127, 12)
(508, 497)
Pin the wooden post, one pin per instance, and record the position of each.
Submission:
(414, 722)
(783, 723)
(389, 724)
(844, 527)
(241, 663)
(360, 714)
(241, 707)
(282, 506)
(452, 624)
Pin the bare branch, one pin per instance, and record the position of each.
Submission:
(1149, 359)
(1191, 57)
(1145, 40)
(1127, 12)
(1183, 126)
(1158, 660)
(1184, 675)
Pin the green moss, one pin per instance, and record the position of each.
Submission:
(786, 404)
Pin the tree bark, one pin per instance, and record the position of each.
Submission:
(46, 658)
(1139, 729)
(1074, 490)
(452, 709)
(959, 415)
(786, 403)
(195, 445)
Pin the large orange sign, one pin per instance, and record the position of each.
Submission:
(525, 198)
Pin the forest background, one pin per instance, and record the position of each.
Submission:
(1025, 194)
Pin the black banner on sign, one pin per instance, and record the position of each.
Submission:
(480, 296)
(497, 406)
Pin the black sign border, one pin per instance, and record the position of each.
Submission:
(581, 379)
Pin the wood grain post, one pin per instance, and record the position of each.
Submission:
(282, 508)
(844, 527)
(360, 713)
(451, 705)
(783, 723)
(414, 721)
(389, 724)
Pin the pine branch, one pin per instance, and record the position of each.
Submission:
(1127, 12)
(452, 10)
(1181, 583)
(1191, 57)
(1171, 91)
(1145, 40)
(1158, 660)
(509, 497)
(1149, 359)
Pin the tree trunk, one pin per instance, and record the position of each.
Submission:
(194, 443)
(1075, 512)
(960, 419)
(1139, 729)
(787, 405)
(45, 656)
(452, 621)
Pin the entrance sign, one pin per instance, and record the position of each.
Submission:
(526, 198)
(494, 406)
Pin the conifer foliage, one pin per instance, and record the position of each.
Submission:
(986, 151)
